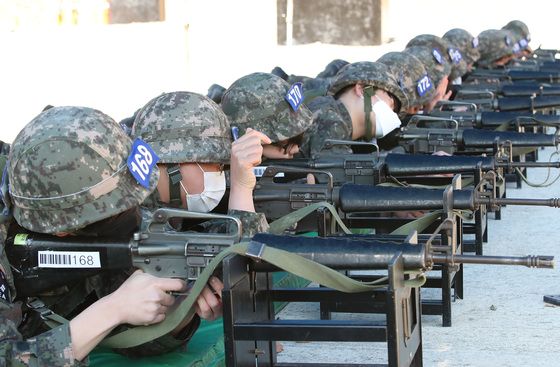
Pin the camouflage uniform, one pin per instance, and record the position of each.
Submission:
(52, 348)
(331, 119)
(494, 44)
(187, 127)
(410, 72)
(465, 42)
(67, 170)
(436, 65)
(449, 51)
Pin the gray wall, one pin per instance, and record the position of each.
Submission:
(348, 22)
(129, 11)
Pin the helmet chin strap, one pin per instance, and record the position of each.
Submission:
(175, 177)
(368, 93)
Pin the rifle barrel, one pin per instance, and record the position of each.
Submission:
(553, 203)
(360, 252)
(528, 164)
(530, 261)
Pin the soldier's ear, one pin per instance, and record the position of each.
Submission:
(359, 90)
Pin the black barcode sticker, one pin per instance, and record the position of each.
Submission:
(68, 259)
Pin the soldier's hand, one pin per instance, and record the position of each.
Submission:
(143, 299)
(246, 153)
(209, 302)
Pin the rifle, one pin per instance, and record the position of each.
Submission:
(278, 199)
(548, 55)
(427, 140)
(360, 252)
(43, 262)
(493, 103)
(492, 120)
(373, 169)
(504, 89)
(549, 75)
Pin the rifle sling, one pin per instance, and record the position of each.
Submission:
(50, 318)
(285, 222)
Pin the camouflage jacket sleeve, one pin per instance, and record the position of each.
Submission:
(251, 222)
(52, 348)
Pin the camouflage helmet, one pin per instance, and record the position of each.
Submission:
(449, 51)
(494, 44)
(332, 68)
(215, 93)
(375, 74)
(184, 127)
(68, 169)
(258, 101)
(521, 31)
(465, 42)
(436, 65)
(412, 76)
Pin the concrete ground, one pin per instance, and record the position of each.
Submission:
(502, 320)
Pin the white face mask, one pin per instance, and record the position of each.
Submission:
(207, 200)
(385, 119)
(457, 81)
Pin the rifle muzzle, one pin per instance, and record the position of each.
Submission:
(553, 203)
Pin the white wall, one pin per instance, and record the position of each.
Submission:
(118, 68)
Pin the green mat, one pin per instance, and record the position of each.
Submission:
(206, 348)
